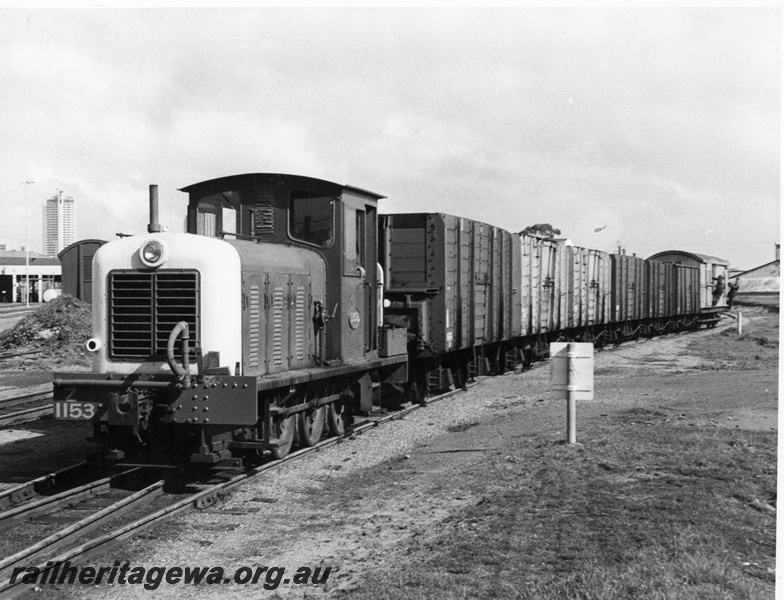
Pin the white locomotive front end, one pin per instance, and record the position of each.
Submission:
(167, 348)
(145, 285)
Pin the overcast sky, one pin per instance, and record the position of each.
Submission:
(655, 128)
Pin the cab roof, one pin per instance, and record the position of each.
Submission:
(298, 180)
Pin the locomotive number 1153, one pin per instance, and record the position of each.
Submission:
(75, 410)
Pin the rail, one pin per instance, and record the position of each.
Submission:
(25, 491)
(19, 524)
(56, 548)
(30, 413)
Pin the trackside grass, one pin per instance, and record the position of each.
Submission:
(650, 505)
(644, 509)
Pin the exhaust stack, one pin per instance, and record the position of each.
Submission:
(154, 226)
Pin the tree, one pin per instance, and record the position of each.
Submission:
(542, 230)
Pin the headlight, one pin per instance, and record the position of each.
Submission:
(152, 253)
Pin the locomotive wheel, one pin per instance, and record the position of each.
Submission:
(285, 430)
(311, 426)
(336, 420)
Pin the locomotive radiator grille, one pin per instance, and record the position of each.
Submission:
(277, 327)
(299, 324)
(145, 307)
(254, 320)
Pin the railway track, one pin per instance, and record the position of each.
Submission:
(18, 354)
(41, 486)
(39, 529)
(51, 529)
(25, 407)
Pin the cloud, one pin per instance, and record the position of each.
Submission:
(633, 119)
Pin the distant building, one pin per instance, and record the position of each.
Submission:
(763, 280)
(59, 224)
(44, 274)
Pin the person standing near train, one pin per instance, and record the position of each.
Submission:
(718, 291)
(731, 291)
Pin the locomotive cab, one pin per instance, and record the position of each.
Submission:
(335, 222)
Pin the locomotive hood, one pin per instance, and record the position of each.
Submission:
(144, 285)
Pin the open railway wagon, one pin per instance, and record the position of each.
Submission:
(565, 292)
(455, 285)
(476, 299)
(649, 298)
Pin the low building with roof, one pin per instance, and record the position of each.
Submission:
(44, 273)
(763, 280)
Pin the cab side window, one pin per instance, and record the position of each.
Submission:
(354, 241)
(312, 218)
(218, 214)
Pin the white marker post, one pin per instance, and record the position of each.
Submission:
(740, 323)
(571, 379)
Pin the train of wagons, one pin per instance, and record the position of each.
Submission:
(291, 304)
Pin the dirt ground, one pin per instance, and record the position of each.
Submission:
(361, 505)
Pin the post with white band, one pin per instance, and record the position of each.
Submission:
(571, 379)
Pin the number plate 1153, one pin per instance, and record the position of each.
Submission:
(75, 410)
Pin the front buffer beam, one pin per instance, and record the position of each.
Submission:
(211, 400)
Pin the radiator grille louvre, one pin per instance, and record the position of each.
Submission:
(255, 313)
(264, 214)
(299, 324)
(145, 307)
(277, 326)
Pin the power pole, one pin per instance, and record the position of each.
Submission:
(27, 249)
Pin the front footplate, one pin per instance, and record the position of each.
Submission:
(209, 400)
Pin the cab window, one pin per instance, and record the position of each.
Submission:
(312, 218)
(354, 241)
(218, 214)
